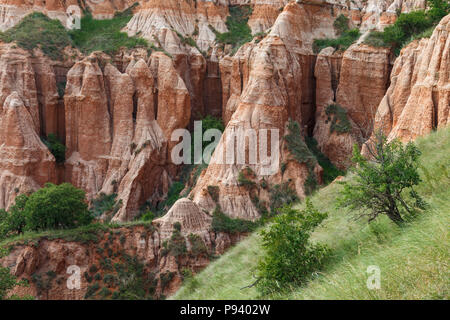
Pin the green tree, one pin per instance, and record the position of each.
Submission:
(16, 220)
(341, 24)
(290, 257)
(380, 182)
(414, 22)
(394, 36)
(438, 9)
(57, 207)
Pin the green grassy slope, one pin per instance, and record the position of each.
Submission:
(413, 259)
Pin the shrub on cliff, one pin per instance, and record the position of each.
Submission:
(290, 257)
(57, 207)
(330, 172)
(438, 9)
(56, 147)
(341, 24)
(410, 26)
(237, 24)
(7, 280)
(342, 43)
(223, 223)
(339, 119)
(105, 203)
(346, 35)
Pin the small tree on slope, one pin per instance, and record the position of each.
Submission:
(290, 257)
(379, 183)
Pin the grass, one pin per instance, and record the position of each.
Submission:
(239, 31)
(37, 30)
(82, 234)
(413, 259)
(105, 35)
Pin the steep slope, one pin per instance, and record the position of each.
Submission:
(413, 260)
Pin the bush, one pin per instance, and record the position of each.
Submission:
(214, 193)
(176, 246)
(7, 280)
(297, 147)
(290, 257)
(339, 119)
(341, 24)
(91, 290)
(57, 207)
(244, 178)
(15, 220)
(410, 26)
(172, 196)
(198, 247)
(342, 43)
(238, 30)
(375, 39)
(330, 172)
(223, 223)
(56, 147)
(38, 31)
(148, 216)
(105, 203)
(281, 195)
(438, 9)
(133, 281)
(379, 183)
(210, 122)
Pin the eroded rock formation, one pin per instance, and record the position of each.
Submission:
(354, 82)
(119, 125)
(25, 162)
(117, 115)
(418, 99)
